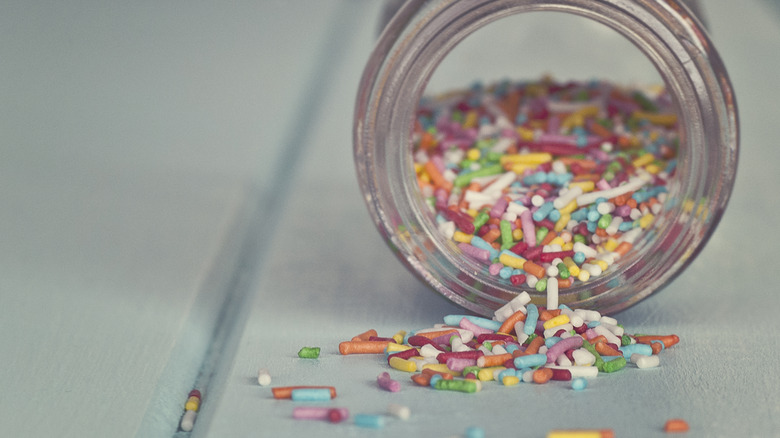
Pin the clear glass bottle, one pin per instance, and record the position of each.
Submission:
(663, 37)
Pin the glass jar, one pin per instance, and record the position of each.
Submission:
(664, 33)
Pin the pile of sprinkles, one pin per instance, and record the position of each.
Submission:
(546, 184)
(523, 343)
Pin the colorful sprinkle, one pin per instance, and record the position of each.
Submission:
(545, 184)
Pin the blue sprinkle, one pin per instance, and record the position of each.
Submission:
(370, 421)
(579, 383)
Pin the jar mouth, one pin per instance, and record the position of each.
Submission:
(407, 54)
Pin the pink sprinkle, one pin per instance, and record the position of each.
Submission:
(477, 330)
(387, 383)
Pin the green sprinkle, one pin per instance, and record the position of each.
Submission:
(563, 271)
(506, 234)
(541, 232)
(541, 285)
(309, 352)
(480, 219)
(613, 365)
(457, 385)
(625, 340)
(604, 221)
(464, 179)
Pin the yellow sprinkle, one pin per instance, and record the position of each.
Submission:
(646, 220)
(573, 268)
(473, 154)
(510, 380)
(418, 168)
(529, 158)
(399, 337)
(586, 186)
(471, 119)
(568, 246)
(570, 207)
(394, 348)
(424, 177)
(602, 264)
(517, 233)
(525, 133)
(511, 261)
(558, 240)
(487, 373)
(462, 237)
(560, 224)
(667, 120)
(644, 159)
(610, 244)
(403, 364)
(440, 368)
(574, 433)
(556, 321)
(519, 168)
(583, 275)
(653, 169)
(472, 212)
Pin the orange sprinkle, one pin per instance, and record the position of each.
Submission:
(427, 140)
(543, 375)
(437, 333)
(366, 335)
(533, 269)
(676, 425)
(667, 340)
(493, 360)
(533, 347)
(282, 392)
(475, 187)
(548, 314)
(564, 283)
(548, 238)
(421, 379)
(601, 232)
(494, 221)
(509, 324)
(623, 248)
(436, 177)
(598, 339)
(492, 235)
(362, 347)
(605, 350)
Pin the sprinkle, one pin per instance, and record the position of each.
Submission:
(310, 394)
(369, 421)
(592, 171)
(263, 377)
(579, 384)
(309, 352)
(387, 383)
(334, 415)
(285, 392)
(399, 411)
(188, 420)
(581, 433)
(676, 425)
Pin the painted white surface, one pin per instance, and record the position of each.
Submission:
(135, 142)
(344, 281)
